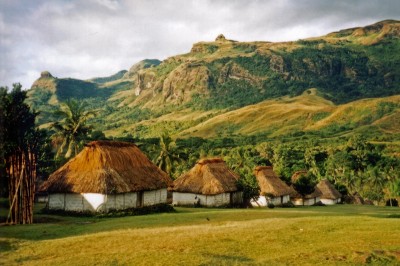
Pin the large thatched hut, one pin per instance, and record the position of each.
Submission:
(330, 195)
(209, 183)
(272, 188)
(105, 176)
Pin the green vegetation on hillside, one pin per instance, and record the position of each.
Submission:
(114, 77)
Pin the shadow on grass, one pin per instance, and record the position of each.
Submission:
(6, 246)
(55, 226)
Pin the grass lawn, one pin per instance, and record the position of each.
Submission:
(342, 234)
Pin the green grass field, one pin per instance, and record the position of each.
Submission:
(330, 235)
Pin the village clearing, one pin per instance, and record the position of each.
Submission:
(323, 235)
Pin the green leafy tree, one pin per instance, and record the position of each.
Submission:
(3, 178)
(20, 143)
(71, 129)
(315, 159)
(305, 184)
(243, 161)
(287, 159)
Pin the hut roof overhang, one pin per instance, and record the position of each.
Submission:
(107, 167)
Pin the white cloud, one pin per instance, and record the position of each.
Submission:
(84, 39)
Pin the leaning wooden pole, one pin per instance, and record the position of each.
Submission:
(11, 213)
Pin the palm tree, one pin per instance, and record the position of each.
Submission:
(376, 180)
(168, 154)
(71, 128)
(392, 189)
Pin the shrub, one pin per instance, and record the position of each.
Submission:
(159, 208)
(288, 204)
(319, 203)
(271, 205)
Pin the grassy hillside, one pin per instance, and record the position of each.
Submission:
(308, 113)
(277, 116)
(343, 234)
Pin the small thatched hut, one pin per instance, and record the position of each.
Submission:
(307, 200)
(272, 188)
(105, 176)
(330, 195)
(209, 183)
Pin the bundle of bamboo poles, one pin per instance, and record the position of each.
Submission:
(21, 170)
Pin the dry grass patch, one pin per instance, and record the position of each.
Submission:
(337, 235)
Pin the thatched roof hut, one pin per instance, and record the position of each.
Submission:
(270, 183)
(209, 183)
(272, 189)
(107, 167)
(207, 177)
(328, 190)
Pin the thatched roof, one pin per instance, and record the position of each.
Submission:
(207, 177)
(270, 183)
(298, 174)
(107, 167)
(328, 190)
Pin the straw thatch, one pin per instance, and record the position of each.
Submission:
(207, 177)
(297, 175)
(270, 183)
(107, 167)
(328, 190)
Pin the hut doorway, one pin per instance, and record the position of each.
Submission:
(140, 199)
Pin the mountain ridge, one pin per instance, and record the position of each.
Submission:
(222, 76)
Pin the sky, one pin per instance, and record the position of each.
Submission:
(95, 38)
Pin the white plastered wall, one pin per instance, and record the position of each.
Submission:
(73, 202)
(263, 201)
(330, 201)
(56, 201)
(95, 202)
(307, 202)
(189, 199)
(154, 197)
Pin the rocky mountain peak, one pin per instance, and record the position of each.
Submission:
(220, 38)
(46, 74)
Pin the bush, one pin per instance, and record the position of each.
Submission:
(271, 205)
(159, 208)
(319, 203)
(288, 204)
